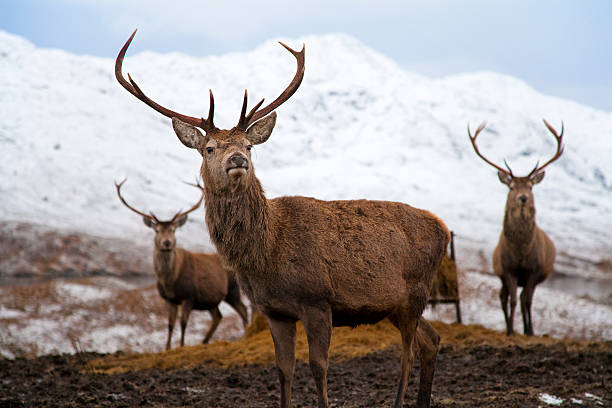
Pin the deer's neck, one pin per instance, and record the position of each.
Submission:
(166, 269)
(240, 226)
(519, 228)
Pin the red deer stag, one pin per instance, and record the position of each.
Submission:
(524, 255)
(191, 280)
(326, 263)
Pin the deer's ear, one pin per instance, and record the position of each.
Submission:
(262, 129)
(181, 221)
(536, 178)
(189, 135)
(504, 177)
(148, 222)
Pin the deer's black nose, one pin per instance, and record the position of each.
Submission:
(238, 160)
(523, 199)
(167, 243)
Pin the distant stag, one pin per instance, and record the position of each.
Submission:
(325, 263)
(524, 255)
(191, 280)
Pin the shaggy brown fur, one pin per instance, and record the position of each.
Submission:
(322, 262)
(524, 255)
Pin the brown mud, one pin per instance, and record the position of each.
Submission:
(476, 367)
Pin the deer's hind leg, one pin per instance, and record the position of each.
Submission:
(428, 341)
(407, 325)
(216, 318)
(235, 301)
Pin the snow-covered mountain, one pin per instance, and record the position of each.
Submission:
(360, 126)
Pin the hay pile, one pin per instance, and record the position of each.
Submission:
(445, 281)
(256, 348)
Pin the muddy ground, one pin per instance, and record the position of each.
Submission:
(467, 376)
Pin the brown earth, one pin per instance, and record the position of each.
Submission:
(476, 367)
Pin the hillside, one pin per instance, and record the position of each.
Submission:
(360, 126)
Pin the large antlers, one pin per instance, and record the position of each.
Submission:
(537, 169)
(254, 115)
(207, 124)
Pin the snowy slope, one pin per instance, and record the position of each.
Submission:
(359, 126)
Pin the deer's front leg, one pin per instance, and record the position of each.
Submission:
(526, 297)
(172, 310)
(318, 326)
(283, 334)
(509, 285)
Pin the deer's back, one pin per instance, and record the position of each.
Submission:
(202, 279)
(361, 256)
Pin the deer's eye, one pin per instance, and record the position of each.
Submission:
(209, 149)
(249, 147)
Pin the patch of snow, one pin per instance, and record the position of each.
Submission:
(598, 400)
(576, 401)
(550, 399)
(83, 293)
(6, 313)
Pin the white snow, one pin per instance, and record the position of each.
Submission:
(83, 293)
(597, 399)
(360, 126)
(550, 399)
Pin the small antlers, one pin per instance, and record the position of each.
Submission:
(537, 169)
(151, 216)
(207, 124)
(131, 87)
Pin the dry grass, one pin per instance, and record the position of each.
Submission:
(256, 348)
(445, 281)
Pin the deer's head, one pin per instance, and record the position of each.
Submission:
(165, 239)
(226, 157)
(520, 201)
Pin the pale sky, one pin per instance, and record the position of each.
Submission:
(559, 47)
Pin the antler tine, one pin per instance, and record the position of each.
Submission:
(473, 140)
(131, 87)
(150, 216)
(195, 206)
(254, 115)
(560, 147)
(508, 167)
